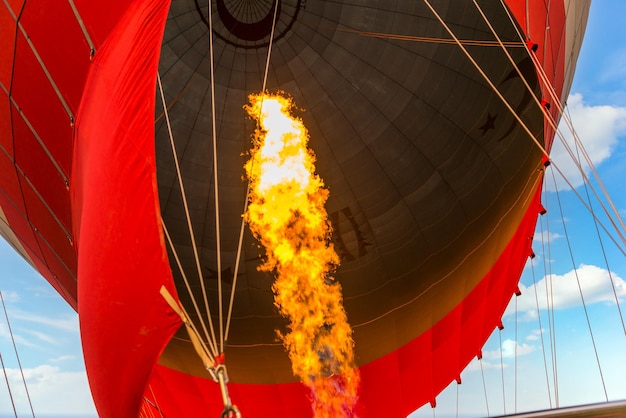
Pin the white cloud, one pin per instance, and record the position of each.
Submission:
(475, 365)
(6, 335)
(508, 350)
(52, 391)
(598, 128)
(65, 323)
(62, 359)
(546, 236)
(42, 336)
(535, 335)
(594, 282)
(10, 296)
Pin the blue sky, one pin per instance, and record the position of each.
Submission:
(46, 329)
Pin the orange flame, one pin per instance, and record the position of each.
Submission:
(286, 214)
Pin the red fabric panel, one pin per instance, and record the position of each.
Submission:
(7, 46)
(37, 167)
(62, 47)
(100, 16)
(35, 96)
(11, 202)
(122, 261)
(546, 28)
(554, 60)
(6, 137)
(8, 182)
(181, 395)
(62, 278)
(13, 206)
(46, 226)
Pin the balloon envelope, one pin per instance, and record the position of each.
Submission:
(434, 183)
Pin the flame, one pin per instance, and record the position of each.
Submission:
(286, 214)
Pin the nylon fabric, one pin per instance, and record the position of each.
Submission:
(7, 48)
(45, 113)
(106, 229)
(122, 262)
(63, 48)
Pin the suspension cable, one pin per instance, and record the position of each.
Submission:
(17, 356)
(604, 256)
(156, 402)
(245, 204)
(6, 377)
(515, 366)
(216, 184)
(582, 298)
(546, 248)
(543, 345)
(211, 343)
(550, 311)
(502, 370)
(188, 218)
(423, 39)
(482, 372)
(457, 398)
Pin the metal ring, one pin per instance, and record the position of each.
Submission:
(229, 411)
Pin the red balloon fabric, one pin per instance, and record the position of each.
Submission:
(116, 216)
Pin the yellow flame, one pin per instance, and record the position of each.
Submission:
(286, 214)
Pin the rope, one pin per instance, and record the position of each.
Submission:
(6, 377)
(269, 47)
(543, 345)
(215, 185)
(515, 366)
(156, 402)
(444, 41)
(548, 274)
(17, 356)
(188, 218)
(457, 399)
(482, 372)
(245, 204)
(582, 298)
(502, 370)
(606, 261)
(212, 345)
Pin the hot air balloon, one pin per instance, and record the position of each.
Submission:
(431, 127)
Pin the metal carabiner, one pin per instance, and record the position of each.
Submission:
(231, 412)
(220, 375)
